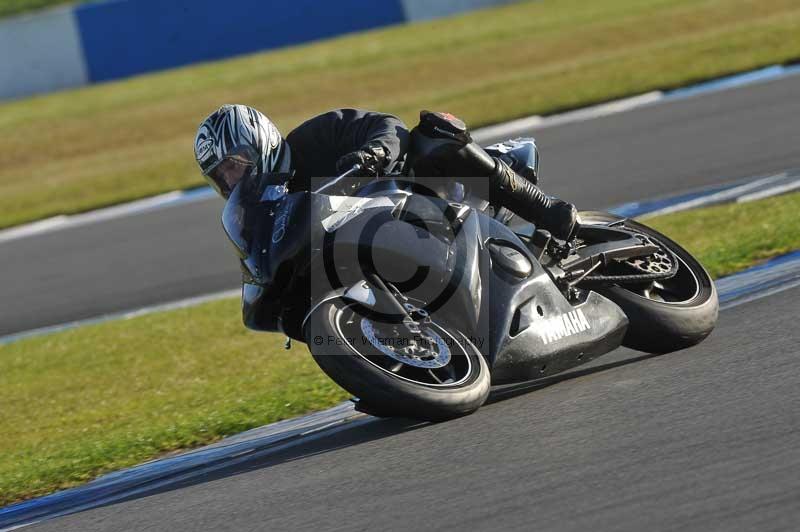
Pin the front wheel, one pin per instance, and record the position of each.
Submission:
(665, 315)
(432, 375)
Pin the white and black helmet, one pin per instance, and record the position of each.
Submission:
(236, 141)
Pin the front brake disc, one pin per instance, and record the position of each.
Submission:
(426, 350)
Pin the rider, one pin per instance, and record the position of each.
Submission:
(237, 140)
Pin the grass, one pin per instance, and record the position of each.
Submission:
(100, 398)
(95, 399)
(104, 144)
(729, 238)
(15, 7)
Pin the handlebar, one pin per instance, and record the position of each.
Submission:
(353, 170)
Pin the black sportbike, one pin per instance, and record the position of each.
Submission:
(415, 299)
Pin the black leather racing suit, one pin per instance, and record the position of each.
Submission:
(440, 147)
(320, 142)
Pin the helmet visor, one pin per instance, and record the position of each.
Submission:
(230, 170)
(228, 173)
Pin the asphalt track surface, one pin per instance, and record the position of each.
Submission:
(180, 252)
(702, 439)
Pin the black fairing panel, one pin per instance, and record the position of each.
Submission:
(545, 346)
(522, 319)
(283, 277)
(415, 248)
(273, 246)
(260, 309)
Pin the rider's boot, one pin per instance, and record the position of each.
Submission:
(442, 146)
(520, 195)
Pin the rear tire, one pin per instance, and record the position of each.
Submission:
(687, 310)
(361, 368)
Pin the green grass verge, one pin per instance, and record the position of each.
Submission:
(87, 401)
(91, 400)
(109, 143)
(729, 238)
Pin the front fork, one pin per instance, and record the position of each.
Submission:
(388, 296)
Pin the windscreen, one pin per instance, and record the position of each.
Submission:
(247, 210)
(233, 221)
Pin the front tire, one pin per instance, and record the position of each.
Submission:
(675, 314)
(449, 381)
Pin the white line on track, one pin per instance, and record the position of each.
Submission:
(719, 197)
(760, 295)
(773, 191)
(176, 197)
(125, 315)
(517, 127)
(42, 226)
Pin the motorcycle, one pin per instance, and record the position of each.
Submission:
(416, 299)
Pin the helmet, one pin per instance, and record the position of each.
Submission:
(237, 141)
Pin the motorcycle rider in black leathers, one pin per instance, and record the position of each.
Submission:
(237, 140)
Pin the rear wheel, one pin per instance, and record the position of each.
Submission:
(668, 314)
(432, 375)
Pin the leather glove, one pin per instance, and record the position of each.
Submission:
(371, 159)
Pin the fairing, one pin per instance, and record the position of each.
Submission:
(470, 269)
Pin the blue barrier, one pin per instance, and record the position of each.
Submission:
(114, 39)
(129, 37)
